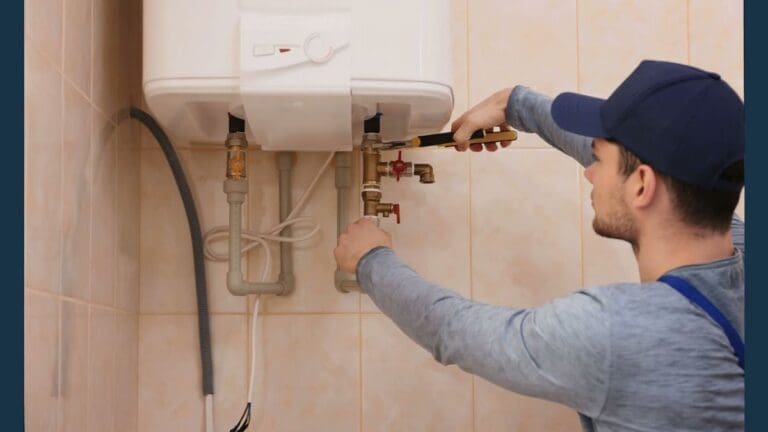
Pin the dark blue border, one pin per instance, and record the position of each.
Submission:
(756, 256)
(12, 216)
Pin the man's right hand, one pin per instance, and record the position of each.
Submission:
(485, 115)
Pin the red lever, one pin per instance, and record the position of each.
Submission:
(396, 211)
(398, 166)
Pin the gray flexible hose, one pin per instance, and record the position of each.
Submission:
(203, 324)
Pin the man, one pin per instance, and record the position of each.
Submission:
(664, 154)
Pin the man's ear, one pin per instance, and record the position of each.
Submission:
(643, 186)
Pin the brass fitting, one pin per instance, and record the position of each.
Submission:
(236, 155)
(373, 170)
(425, 172)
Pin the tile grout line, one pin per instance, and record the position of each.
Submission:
(469, 198)
(114, 216)
(82, 302)
(357, 174)
(579, 179)
(360, 366)
(688, 29)
(88, 364)
(58, 415)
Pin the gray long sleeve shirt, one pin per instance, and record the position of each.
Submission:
(626, 356)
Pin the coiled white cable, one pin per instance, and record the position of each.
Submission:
(253, 239)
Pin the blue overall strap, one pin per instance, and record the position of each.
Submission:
(696, 297)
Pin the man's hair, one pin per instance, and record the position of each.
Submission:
(703, 208)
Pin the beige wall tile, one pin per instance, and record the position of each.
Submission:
(102, 370)
(77, 43)
(109, 90)
(167, 271)
(74, 367)
(525, 223)
(41, 361)
(128, 216)
(460, 69)
(42, 256)
(43, 25)
(133, 46)
(615, 35)
(716, 32)
(605, 260)
(170, 393)
(169, 379)
(76, 186)
(231, 368)
(126, 388)
(497, 409)
(311, 376)
(433, 237)
(103, 212)
(400, 380)
(527, 42)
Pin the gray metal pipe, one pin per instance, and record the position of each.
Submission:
(345, 282)
(284, 166)
(236, 190)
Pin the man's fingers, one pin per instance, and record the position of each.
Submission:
(459, 121)
(476, 147)
(491, 147)
(462, 134)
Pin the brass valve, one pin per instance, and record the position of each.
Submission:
(374, 170)
(236, 155)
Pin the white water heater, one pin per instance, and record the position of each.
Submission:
(304, 74)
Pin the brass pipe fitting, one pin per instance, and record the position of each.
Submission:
(425, 172)
(236, 155)
(371, 189)
(371, 199)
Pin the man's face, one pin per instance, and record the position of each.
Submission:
(613, 218)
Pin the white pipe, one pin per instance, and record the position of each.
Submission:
(209, 413)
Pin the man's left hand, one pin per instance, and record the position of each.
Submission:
(359, 238)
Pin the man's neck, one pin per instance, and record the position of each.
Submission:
(663, 251)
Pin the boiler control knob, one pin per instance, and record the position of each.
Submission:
(318, 50)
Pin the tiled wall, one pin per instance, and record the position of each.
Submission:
(99, 356)
(511, 228)
(82, 64)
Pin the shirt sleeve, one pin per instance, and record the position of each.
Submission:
(559, 352)
(529, 111)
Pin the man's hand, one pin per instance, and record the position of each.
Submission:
(359, 238)
(485, 115)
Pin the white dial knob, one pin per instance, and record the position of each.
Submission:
(317, 50)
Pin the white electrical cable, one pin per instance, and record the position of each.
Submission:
(209, 413)
(253, 239)
(253, 349)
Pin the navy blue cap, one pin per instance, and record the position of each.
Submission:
(683, 121)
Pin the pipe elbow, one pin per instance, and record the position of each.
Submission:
(425, 172)
(288, 282)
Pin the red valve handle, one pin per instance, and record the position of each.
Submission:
(399, 166)
(396, 211)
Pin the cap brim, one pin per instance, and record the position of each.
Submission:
(579, 114)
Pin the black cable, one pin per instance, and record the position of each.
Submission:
(245, 420)
(203, 324)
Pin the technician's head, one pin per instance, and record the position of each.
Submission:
(668, 147)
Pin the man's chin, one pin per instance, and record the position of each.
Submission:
(610, 231)
(604, 230)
